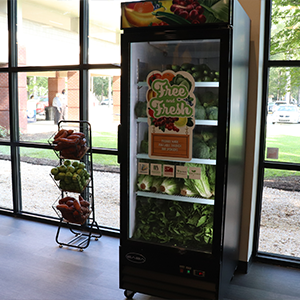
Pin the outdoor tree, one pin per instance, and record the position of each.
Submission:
(285, 45)
(37, 86)
(101, 87)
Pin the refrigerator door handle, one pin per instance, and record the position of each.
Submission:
(120, 153)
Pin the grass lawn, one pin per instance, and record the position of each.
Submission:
(99, 139)
(289, 151)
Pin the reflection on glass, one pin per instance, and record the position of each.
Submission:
(285, 30)
(104, 32)
(106, 175)
(44, 99)
(39, 191)
(279, 228)
(4, 35)
(4, 102)
(104, 107)
(5, 178)
(50, 35)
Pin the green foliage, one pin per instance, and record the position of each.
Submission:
(37, 86)
(174, 223)
(101, 87)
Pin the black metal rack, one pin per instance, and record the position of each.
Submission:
(84, 233)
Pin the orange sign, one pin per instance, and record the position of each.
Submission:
(170, 145)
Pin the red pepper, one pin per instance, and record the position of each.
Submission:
(151, 112)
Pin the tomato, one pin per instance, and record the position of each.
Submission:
(153, 77)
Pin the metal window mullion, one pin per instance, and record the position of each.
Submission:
(83, 71)
(13, 104)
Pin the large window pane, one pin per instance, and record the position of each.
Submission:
(4, 35)
(285, 34)
(104, 32)
(279, 227)
(5, 178)
(39, 191)
(48, 32)
(37, 109)
(106, 175)
(283, 135)
(104, 107)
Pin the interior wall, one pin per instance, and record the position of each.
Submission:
(255, 11)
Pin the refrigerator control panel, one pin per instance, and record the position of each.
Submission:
(186, 270)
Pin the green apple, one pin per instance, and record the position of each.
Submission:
(81, 165)
(54, 171)
(62, 168)
(67, 162)
(75, 163)
(71, 169)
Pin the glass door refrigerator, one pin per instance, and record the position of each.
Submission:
(182, 146)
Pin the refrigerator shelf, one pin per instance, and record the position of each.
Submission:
(198, 122)
(193, 160)
(176, 198)
(197, 84)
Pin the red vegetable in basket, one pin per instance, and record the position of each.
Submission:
(73, 210)
(70, 144)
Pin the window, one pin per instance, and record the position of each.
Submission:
(53, 50)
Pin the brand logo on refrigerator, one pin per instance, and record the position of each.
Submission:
(135, 258)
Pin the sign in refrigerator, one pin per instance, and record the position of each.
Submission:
(171, 114)
(174, 13)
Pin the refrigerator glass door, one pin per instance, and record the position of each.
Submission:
(174, 96)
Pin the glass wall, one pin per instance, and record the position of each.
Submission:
(280, 155)
(55, 82)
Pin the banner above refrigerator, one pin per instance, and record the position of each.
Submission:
(175, 13)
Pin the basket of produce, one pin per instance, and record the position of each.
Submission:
(69, 144)
(71, 176)
(73, 210)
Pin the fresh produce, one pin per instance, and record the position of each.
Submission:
(170, 186)
(211, 173)
(140, 109)
(205, 144)
(157, 181)
(179, 224)
(71, 144)
(164, 123)
(72, 177)
(144, 182)
(186, 191)
(73, 210)
(200, 186)
(200, 112)
(212, 113)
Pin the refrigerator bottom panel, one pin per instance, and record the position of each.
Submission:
(165, 285)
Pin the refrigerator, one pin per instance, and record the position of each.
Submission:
(184, 87)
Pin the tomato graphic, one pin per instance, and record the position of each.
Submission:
(153, 77)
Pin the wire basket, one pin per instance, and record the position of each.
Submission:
(72, 210)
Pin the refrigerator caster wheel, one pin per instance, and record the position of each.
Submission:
(60, 246)
(129, 294)
(81, 250)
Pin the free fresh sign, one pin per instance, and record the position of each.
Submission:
(171, 114)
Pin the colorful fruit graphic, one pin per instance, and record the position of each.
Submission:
(181, 122)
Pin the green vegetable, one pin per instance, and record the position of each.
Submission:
(186, 191)
(211, 173)
(171, 18)
(178, 224)
(170, 186)
(200, 186)
(201, 150)
(220, 10)
(144, 146)
(212, 113)
(157, 181)
(144, 182)
(209, 99)
(140, 109)
(186, 66)
(207, 135)
(200, 113)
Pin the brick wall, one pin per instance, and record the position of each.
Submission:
(73, 95)
(4, 101)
